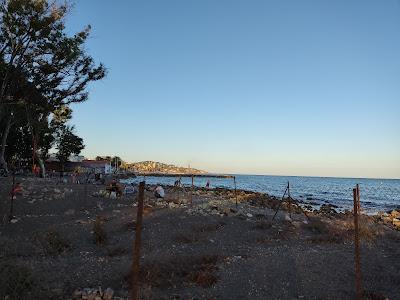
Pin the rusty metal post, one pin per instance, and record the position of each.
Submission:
(356, 194)
(289, 200)
(191, 191)
(138, 240)
(236, 198)
(358, 199)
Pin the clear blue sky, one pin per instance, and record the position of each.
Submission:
(256, 87)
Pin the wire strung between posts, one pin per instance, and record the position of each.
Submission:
(287, 190)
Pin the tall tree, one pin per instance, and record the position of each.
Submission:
(36, 52)
(67, 143)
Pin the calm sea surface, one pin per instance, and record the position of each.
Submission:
(376, 194)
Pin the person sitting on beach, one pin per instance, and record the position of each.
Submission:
(129, 189)
(159, 192)
(114, 187)
(178, 182)
(208, 184)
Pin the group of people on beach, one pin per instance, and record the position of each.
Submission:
(160, 193)
(178, 183)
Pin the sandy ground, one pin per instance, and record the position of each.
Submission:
(207, 249)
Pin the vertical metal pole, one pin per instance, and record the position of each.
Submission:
(289, 200)
(356, 194)
(191, 191)
(138, 240)
(358, 199)
(234, 182)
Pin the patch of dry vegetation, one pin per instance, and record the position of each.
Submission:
(53, 243)
(100, 235)
(18, 283)
(316, 226)
(180, 272)
(341, 230)
(56, 243)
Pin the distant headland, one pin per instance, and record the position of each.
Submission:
(158, 167)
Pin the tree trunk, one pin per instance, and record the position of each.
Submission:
(3, 163)
(42, 165)
(62, 166)
(38, 154)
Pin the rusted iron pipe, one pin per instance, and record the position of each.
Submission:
(356, 195)
(137, 246)
(236, 198)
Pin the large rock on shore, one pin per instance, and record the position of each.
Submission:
(396, 223)
(327, 209)
(390, 218)
(395, 214)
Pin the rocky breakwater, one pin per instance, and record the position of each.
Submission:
(391, 218)
(221, 202)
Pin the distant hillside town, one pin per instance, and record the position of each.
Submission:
(108, 164)
(157, 167)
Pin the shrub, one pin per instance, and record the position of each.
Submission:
(316, 226)
(56, 243)
(53, 243)
(18, 283)
(100, 235)
(182, 271)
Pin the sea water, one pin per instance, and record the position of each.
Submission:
(375, 194)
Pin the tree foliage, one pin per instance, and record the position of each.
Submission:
(67, 143)
(35, 48)
(42, 71)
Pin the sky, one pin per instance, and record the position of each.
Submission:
(253, 86)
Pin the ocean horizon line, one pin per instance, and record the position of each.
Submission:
(307, 176)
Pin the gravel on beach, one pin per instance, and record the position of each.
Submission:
(70, 241)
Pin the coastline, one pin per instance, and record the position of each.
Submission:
(306, 190)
